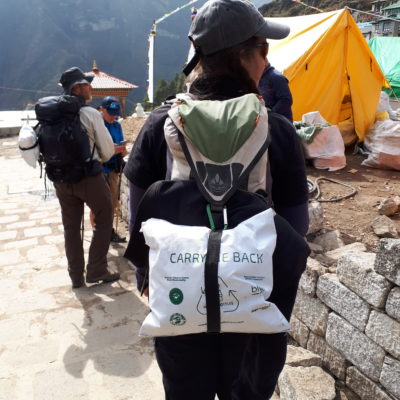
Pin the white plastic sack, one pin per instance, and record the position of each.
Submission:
(384, 105)
(383, 142)
(26, 139)
(313, 118)
(327, 149)
(176, 278)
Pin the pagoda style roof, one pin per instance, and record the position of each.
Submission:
(103, 81)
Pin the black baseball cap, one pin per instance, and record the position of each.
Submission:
(221, 24)
(112, 105)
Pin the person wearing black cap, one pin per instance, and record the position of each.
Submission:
(230, 49)
(91, 190)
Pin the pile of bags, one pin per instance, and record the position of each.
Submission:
(382, 141)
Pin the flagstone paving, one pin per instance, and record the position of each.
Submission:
(55, 342)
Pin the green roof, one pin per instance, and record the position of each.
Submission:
(397, 5)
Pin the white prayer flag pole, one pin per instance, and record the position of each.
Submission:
(152, 35)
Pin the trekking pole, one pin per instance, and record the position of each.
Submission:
(82, 227)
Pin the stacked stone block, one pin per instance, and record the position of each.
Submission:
(303, 378)
(351, 319)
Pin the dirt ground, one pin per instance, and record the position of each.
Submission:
(131, 128)
(352, 216)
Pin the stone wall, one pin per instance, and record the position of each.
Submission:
(351, 319)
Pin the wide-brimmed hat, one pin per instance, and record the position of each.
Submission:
(221, 24)
(112, 105)
(74, 76)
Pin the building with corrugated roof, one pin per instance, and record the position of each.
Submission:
(389, 24)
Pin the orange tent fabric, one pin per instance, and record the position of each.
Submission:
(324, 57)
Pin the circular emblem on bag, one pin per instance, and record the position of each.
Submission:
(176, 296)
(177, 319)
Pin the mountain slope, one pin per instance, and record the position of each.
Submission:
(52, 36)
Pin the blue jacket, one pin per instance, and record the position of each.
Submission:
(274, 88)
(115, 130)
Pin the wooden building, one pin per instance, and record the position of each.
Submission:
(105, 84)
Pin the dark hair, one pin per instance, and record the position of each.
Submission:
(224, 71)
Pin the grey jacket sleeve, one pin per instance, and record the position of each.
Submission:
(98, 134)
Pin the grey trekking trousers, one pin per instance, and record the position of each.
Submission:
(95, 192)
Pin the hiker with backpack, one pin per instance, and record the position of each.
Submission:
(220, 267)
(74, 143)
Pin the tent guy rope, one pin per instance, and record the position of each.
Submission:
(306, 5)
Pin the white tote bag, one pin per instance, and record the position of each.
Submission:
(245, 276)
(28, 145)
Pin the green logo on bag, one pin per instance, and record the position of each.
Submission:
(177, 319)
(176, 296)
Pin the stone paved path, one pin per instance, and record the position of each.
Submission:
(56, 343)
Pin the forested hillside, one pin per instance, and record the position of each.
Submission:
(42, 38)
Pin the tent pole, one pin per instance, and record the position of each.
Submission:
(348, 77)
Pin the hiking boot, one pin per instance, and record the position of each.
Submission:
(77, 283)
(107, 277)
(116, 238)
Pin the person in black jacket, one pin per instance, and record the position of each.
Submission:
(229, 37)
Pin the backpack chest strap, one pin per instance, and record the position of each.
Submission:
(211, 282)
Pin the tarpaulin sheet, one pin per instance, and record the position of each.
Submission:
(387, 53)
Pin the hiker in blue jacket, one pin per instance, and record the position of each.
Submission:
(112, 169)
(229, 37)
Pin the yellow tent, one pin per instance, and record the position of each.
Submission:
(324, 58)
